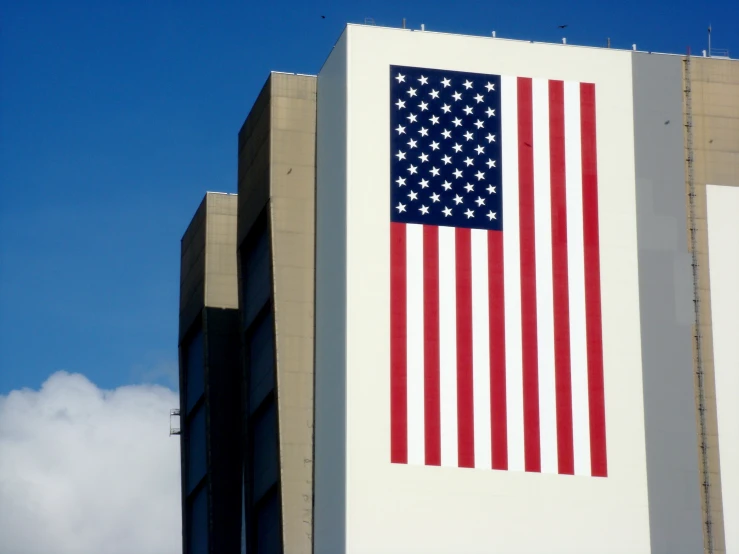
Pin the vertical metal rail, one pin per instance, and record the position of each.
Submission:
(708, 523)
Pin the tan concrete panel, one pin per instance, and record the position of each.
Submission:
(296, 388)
(293, 114)
(294, 181)
(221, 291)
(294, 86)
(715, 135)
(296, 250)
(292, 193)
(290, 214)
(293, 147)
(293, 284)
(221, 204)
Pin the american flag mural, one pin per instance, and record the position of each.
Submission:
(495, 316)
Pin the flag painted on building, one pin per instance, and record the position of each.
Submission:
(495, 316)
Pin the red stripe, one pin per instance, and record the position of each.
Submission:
(465, 407)
(432, 410)
(530, 352)
(592, 281)
(398, 346)
(496, 303)
(560, 281)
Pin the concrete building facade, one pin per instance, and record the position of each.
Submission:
(276, 174)
(307, 285)
(210, 367)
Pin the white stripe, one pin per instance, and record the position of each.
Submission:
(544, 287)
(414, 296)
(576, 276)
(512, 273)
(481, 349)
(448, 347)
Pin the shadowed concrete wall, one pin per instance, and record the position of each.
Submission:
(209, 302)
(277, 173)
(714, 100)
(665, 295)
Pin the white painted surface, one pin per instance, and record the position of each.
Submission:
(329, 459)
(723, 261)
(576, 276)
(512, 283)
(406, 508)
(447, 349)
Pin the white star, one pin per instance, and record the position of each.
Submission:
(447, 108)
(400, 207)
(480, 149)
(469, 187)
(491, 215)
(424, 183)
(434, 94)
(400, 181)
(424, 132)
(447, 212)
(490, 87)
(468, 84)
(469, 161)
(479, 124)
(424, 210)
(467, 110)
(412, 92)
(469, 213)
(400, 77)
(457, 96)
(400, 155)
(434, 119)
(491, 138)
(490, 112)
(480, 201)
(446, 82)
(447, 160)
(412, 169)
(491, 163)
(479, 98)
(424, 106)
(457, 122)
(400, 103)
(435, 197)
(457, 173)
(434, 171)
(434, 145)
(400, 129)
(446, 133)
(458, 199)
(447, 185)
(423, 80)
(412, 143)
(469, 136)
(480, 175)
(457, 147)
(412, 118)
(491, 189)
(413, 195)
(423, 157)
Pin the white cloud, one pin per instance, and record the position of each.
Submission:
(84, 471)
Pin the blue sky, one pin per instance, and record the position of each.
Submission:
(116, 117)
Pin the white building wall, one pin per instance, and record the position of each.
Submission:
(407, 509)
(723, 236)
